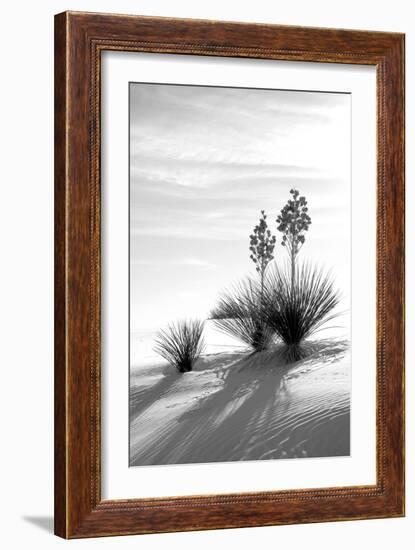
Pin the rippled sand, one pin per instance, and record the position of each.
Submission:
(243, 407)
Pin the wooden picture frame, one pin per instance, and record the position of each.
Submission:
(79, 40)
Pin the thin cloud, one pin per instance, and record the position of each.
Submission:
(189, 262)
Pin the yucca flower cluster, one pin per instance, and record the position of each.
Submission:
(293, 221)
(261, 245)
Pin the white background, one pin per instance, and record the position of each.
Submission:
(26, 289)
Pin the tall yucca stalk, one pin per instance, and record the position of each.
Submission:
(296, 311)
(261, 246)
(181, 344)
(293, 222)
(239, 313)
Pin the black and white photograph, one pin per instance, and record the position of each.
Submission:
(207, 287)
(240, 274)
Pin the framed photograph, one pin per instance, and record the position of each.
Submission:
(229, 275)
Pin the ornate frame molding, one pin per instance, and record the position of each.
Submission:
(79, 40)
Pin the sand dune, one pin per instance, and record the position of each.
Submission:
(243, 407)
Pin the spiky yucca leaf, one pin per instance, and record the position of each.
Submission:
(181, 344)
(295, 312)
(240, 314)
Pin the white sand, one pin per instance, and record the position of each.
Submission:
(242, 407)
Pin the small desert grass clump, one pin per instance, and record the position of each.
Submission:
(240, 314)
(296, 311)
(181, 344)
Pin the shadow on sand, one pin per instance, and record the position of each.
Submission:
(262, 409)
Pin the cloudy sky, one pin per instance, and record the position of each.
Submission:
(203, 162)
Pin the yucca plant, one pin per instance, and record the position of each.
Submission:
(239, 313)
(296, 312)
(181, 344)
